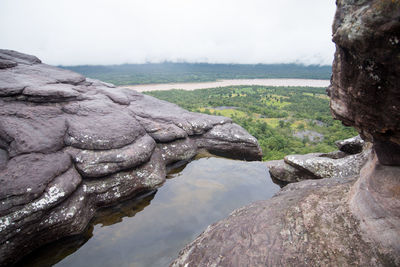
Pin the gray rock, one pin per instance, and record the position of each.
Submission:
(230, 139)
(18, 57)
(325, 167)
(69, 145)
(50, 93)
(179, 150)
(162, 132)
(295, 168)
(4, 63)
(25, 128)
(283, 172)
(352, 145)
(25, 177)
(98, 131)
(97, 163)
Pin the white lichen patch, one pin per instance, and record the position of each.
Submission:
(53, 195)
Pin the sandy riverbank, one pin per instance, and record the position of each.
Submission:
(222, 83)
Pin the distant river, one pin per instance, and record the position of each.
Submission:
(222, 83)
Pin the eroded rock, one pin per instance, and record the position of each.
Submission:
(337, 221)
(305, 224)
(364, 91)
(352, 145)
(69, 145)
(295, 168)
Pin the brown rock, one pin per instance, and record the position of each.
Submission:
(364, 91)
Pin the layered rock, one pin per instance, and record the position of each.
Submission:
(348, 161)
(353, 221)
(69, 145)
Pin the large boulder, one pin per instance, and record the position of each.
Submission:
(69, 145)
(338, 221)
(365, 83)
(305, 224)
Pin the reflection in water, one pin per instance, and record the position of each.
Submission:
(136, 233)
(50, 254)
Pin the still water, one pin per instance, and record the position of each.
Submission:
(151, 230)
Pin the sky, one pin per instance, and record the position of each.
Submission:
(80, 32)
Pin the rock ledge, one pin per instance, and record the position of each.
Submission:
(69, 145)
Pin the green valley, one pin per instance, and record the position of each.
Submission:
(285, 120)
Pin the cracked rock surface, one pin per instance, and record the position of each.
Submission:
(69, 145)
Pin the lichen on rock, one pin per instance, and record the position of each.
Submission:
(69, 145)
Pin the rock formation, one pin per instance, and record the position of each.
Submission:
(353, 221)
(69, 145)
(352, 155)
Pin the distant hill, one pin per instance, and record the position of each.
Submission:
(129, 74)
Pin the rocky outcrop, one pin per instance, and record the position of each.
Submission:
(353, 221)
(69, 145)
(364, 91)
(305, 224)
(348, 161)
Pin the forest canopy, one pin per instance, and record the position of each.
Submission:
(167, 72)
(285, 120)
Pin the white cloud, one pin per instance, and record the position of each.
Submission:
(72, 32)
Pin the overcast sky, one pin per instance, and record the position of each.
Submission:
(74, 32)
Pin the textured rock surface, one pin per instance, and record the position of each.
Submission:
(365, 84)
(351, 146)
(353, 221)
(305, 224)
(69, 145)
(295, 168)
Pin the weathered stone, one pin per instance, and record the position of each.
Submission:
(331, 222)
(352, 145)
(97, 163)
(25, 128)
(162, 132)
(122, 185)
(4, 63)
(375, 201)
(108, 131)
(388, 152)
(230, 139)
(326, 167)
(162, 111)
(364, 91)
(56, 127)
(305, 224)
(25, 177)
(179, 150)
(283, 172)
(295, 168)
(18, 57)
(50, 93)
